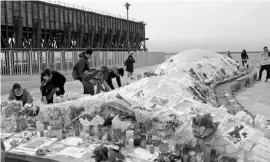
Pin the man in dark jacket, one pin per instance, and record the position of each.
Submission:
(129, 64)
(52, 81)
(82, 66)
(20, 94)
(115, 73)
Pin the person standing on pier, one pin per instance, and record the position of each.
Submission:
(129, 63)
(265, 64)
(244, 57)
(82, 66)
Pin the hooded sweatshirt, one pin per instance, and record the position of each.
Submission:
(265, 59)
(83, 64)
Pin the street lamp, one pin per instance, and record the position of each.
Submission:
(127, 7)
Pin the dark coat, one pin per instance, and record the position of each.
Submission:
(109, 79)
(25, 98)
(57, 81)
(129, 64)
(83, 65)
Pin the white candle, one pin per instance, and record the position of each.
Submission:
(129, 134)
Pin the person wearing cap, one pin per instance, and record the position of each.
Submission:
(115, 72)
(20, 94)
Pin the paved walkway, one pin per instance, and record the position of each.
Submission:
(75, 86)
(256, 98)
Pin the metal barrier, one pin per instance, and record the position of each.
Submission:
(34, 61)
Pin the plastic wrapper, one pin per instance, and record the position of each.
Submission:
(119, 124)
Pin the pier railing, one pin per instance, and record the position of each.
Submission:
(34, 61)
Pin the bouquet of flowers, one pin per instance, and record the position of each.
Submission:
(203, 126)
(13, 107)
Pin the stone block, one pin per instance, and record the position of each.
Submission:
(235, 86)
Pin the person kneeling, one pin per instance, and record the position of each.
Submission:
(20, 94)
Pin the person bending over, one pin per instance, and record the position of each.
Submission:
(52, 82)
(98, 78)
(20, 94)
(115, 73)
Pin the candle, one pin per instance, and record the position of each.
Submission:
(149, 139)
(131, 142)
(42, 133)
(41, 127)
(152, 149)
(129, 134)
(77, 130)
(91, 130)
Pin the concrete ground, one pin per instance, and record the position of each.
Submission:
(71, 86)
(256, 98)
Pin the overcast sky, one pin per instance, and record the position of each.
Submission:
(174, 26)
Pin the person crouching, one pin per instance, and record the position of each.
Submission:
(20, 94)
(52, 82)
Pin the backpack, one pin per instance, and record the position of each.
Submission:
(91, 74)
(75, 74)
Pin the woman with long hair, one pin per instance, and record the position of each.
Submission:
(244, 58)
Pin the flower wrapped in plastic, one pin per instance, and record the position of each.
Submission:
(203, 126)
(13, 107)
(68, 96)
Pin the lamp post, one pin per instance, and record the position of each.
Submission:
(127, 7)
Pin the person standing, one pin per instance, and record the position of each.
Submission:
(265, 64)
(129, 63)
(82, 66)
(20, 94)
(244, 58)
(52, 82)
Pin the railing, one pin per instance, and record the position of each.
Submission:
(34, 61)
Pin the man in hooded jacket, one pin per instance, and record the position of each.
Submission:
(82, 66)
